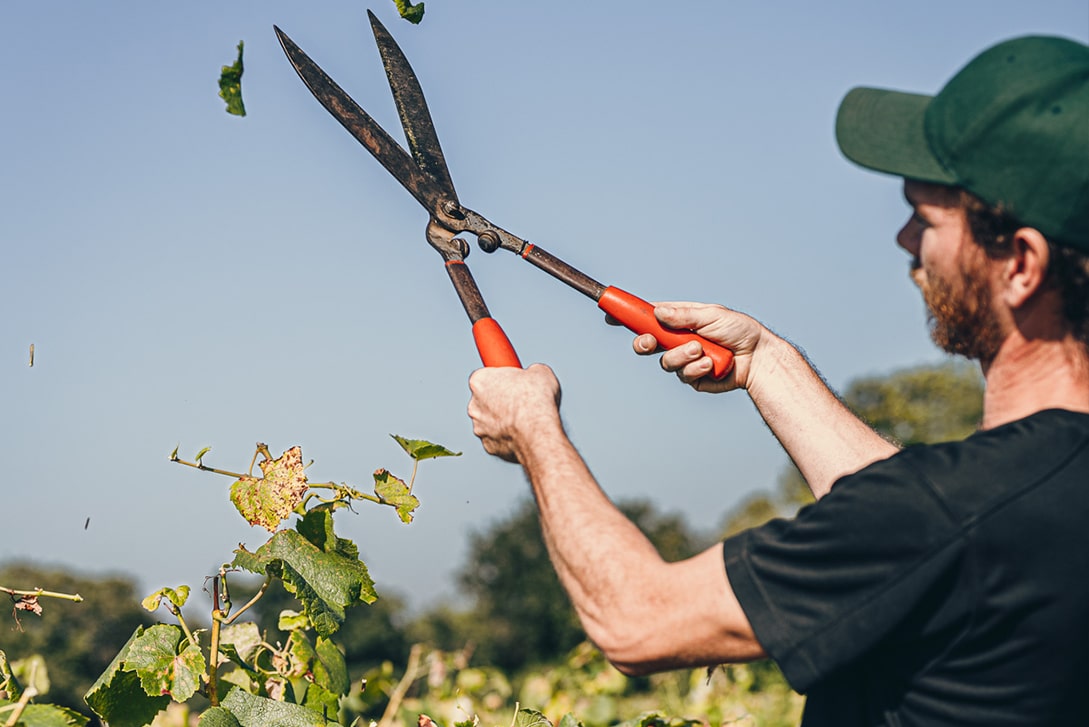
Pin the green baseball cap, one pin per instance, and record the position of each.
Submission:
(1012, 128)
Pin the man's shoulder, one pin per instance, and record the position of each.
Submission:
(1047, 449)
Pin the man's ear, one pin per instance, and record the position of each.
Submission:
(1025, 271)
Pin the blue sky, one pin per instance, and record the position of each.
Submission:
(197, 279)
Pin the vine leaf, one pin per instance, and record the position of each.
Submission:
(117, 697)
(420, 449)
(530, 718)
(218, 717)
(267, 500)
(230, 85)
(162, 668)
(29, 603)
(320, 569)
(46, 715)
(249, 710)
(393, 491)
(330, 670)
(412, 13)
(239, 642)
(178, 597)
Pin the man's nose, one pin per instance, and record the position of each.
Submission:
(908, 240)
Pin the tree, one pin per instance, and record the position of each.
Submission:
(77, 640)
(521, 615)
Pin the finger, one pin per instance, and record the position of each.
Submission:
(645, 344)
(683, 356)
(687, 315)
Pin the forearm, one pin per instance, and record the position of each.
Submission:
(643, 612)
(824, 438)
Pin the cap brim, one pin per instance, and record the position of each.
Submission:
(884, 131)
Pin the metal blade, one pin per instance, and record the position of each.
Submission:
(423, 142)
(366, 130)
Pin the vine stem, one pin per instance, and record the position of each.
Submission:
(205, 468)
(398, 693)
(39, 593)
(17, 708)
(255, 599)
(177, 613)
(213, 658)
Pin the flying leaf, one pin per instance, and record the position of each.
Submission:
(162, 668)
(266, 501)
(230, 85)
(422, 449)
(412, 13)
(393, 491)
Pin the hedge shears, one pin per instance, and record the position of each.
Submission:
(425, 175)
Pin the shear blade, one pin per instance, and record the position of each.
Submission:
(425, 188)
(423, 141)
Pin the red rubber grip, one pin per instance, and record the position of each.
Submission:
(638, 315)
(494, 346)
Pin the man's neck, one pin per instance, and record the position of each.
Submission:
(1028, 376)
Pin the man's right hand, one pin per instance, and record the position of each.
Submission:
(736, 331)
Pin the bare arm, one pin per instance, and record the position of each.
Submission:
(645, 614)
(823, 437)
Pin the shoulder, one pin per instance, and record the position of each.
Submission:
(1047, 449)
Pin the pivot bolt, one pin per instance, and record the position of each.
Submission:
(488, 241)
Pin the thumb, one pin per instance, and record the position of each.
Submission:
(692, 316)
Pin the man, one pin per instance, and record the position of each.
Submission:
(938, 585)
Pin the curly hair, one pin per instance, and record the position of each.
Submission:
(993, 229)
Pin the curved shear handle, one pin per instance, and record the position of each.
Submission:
(493, 345)
(638, 315)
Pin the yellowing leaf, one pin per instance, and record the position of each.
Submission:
(393, 491)
(163, 668)
(266, 501)
(412, 13)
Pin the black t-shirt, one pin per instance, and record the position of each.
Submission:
(946, 585)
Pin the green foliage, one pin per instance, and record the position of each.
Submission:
(321, 570)
(230, 87)
(248, 680)
(411, 13)
(921, 405)
(118, 696)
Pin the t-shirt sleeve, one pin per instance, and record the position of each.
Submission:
(827, 586)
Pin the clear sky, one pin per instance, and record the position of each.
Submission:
(197, 279)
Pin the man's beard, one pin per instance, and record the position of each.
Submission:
(962, 321)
